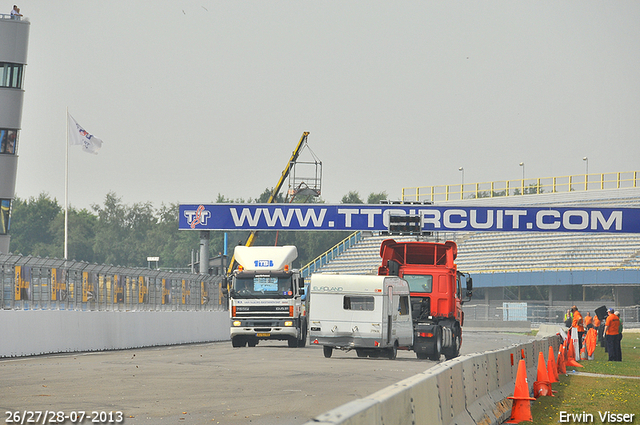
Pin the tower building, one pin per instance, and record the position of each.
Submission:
(14, 38)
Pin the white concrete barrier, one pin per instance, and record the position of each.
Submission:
(470, 389)
(33, 332)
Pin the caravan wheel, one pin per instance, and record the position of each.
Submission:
(393, 351)
(327, 350)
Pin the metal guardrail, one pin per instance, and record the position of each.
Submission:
(330, 254)
(9, 17)
(34, 283)
(563, 184)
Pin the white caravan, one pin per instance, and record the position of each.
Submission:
(371, 314)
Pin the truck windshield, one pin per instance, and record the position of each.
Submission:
(263, 286)
(419, 282)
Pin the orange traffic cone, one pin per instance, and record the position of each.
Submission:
(552, 369)
(561, 362)
(571, 358)
(542, 386)
(590, 341)
(521, 406)
(571, 352)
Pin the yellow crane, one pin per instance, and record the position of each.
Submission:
(276, 189)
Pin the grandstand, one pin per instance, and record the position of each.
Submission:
(555, 261)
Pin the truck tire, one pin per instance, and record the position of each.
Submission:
(361, 352)
(303, 336)
(454, 350)
(437, 345)
(292, 342)
(238, 342)
(327, 350)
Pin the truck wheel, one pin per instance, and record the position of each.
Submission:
(252, 342)
(327, 350)
(237, 342)
(303, 338)
(421, 356)
(393, 351)
(437, 345)
(292, 342)
(361, 353)
(454, 351)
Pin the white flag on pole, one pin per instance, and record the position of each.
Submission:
(80, 136)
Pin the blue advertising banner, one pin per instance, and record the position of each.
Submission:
(354, 217)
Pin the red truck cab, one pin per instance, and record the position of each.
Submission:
(436, 292)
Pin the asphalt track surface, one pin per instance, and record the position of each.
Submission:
(210, 383)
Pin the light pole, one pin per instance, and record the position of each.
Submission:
(461, 169)
(586, 172)
(586, 165)
(522, 165)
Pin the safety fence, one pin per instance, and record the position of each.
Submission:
(471, 389)
(538, 313)
(533, 186)
(34, 283)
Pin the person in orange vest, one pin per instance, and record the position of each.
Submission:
(617, 313)
(612, 336)
(578, 323)
(588, 321)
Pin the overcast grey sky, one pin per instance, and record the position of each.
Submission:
(198, 98)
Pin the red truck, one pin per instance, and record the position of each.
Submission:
(435, 286)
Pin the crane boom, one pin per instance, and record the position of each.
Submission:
(276, 189)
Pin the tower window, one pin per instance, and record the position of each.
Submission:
(8, 141)
(5, 207)
(11, 75)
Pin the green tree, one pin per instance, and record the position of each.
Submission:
(125, 235)
(264, 197)
(353, 197)
(121, 232)
(31, 224)
(375, 198)
(166, 241)
(81, 235)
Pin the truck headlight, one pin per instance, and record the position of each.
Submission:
(237, 323)
(288, 323)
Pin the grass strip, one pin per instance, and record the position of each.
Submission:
(586, 395)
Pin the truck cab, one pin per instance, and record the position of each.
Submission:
(265, 297)
(436, 292)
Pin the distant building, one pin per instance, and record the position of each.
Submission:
(14, 39)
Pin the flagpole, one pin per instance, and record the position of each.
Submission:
(66, 191)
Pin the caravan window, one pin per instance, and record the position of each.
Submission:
(358, 303)
(403, 307)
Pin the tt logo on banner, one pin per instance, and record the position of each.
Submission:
(198, 216)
